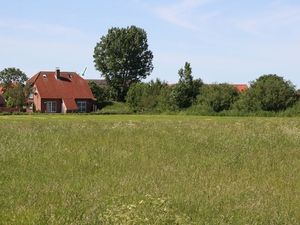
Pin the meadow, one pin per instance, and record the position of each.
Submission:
(143, 169)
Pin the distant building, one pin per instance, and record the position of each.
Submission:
(241, 87)
(99, 82)
(60, 92)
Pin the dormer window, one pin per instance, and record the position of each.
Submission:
(44, 75)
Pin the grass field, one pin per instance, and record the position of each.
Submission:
(149, 170)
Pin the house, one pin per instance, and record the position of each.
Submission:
(241, 87)
(60, 92)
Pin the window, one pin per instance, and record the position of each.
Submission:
(51, 107)
(81, 106)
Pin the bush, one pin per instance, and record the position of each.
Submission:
(102, 94)
(217, 97)
(268, 93)
(148, 97)
(292, 111)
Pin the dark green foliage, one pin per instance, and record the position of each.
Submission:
(13, 79)
(123, 58)
(148, 96)
(268, 93)
(100, 93)
(9, 76)
(292, 111)
(16, 96)
(217, 97)
(187, 89)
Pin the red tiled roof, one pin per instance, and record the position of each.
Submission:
(241, 87)
(70, 103)
(69, 86)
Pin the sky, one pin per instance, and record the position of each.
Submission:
(229, 41)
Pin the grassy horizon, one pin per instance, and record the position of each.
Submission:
(143, 169)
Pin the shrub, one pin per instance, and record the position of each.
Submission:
(268, 93)
(145, 97)
(102, 94)
(217, 97)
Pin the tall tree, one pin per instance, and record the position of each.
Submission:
(187, 89)
(185, 74)
(12, 75)
(123, 58)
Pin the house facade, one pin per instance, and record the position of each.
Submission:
(60, 92)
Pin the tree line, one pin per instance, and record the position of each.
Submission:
(270, 93)
(123, 58)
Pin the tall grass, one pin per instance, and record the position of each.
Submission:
(149, 170)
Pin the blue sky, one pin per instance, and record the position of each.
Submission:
(224, 40)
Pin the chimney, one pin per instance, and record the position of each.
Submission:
(57, 72)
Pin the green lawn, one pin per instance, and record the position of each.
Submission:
(78, 169)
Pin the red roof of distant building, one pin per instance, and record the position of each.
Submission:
(241, 87)
(1, 90)
(69, 86)
(99, 82)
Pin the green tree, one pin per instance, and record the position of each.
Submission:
(16, 96)
(123, 58)
(217, 97)
(10, 76)
(15, 92)
(268, 93)
(100, 93)
(147, 96)
(187, 89)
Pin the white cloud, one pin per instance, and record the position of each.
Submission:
(182, 13)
